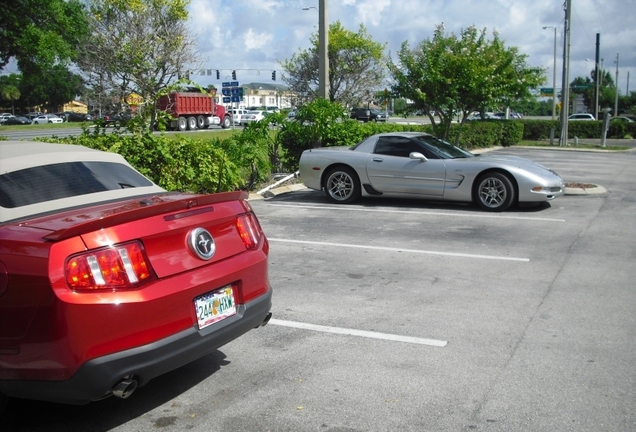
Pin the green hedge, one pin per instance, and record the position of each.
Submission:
(186, 165)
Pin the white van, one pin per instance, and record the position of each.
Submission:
(237, 113)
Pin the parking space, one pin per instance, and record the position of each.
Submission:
(410, 315)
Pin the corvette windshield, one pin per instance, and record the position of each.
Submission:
(442, 149)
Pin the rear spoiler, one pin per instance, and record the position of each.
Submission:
(146, 207)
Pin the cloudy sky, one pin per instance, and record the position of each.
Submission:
(253, 35)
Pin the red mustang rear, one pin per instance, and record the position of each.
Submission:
(107, 281)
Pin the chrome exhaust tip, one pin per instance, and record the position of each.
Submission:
(124, 388)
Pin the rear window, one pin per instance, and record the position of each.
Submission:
(65, 180)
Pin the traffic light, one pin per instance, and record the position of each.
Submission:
(218, 75)
(234, 75)
(273, 75)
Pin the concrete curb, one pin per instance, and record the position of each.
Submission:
(277, 191)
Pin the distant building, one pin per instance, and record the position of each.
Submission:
(262, 94)
(73, 106)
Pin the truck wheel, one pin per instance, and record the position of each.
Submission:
(201, 122)
(226, 123)
(182, 124)
(192, 123)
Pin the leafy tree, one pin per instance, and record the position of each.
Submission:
(10, 89)
(41, 33)
(141, 47)
(51, 89)
(607, 89)
(356, 67)
(458, 74)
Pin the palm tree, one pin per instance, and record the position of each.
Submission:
(10, 92)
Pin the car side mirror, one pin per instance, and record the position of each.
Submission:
(417, 156)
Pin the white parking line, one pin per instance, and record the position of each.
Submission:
(361, 333)
(430, 213)
(420, 251)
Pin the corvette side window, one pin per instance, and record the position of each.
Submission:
(396, 146)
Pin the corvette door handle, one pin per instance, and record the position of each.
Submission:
(377, 159)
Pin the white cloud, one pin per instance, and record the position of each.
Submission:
(254, 41)
(252, 35)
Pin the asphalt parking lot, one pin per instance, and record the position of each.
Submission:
(396, 315)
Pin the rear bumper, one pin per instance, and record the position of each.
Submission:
(95, 379)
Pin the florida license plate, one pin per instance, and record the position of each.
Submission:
(214, 306)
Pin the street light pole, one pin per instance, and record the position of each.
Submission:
(616, 88)
(596, 79)
(323, 50)
(565, 87)
(553, 72)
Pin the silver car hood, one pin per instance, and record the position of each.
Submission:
(515, 161)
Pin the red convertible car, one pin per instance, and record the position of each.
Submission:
(107, 280)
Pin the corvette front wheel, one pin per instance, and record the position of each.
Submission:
(342, 185)
(494, 192)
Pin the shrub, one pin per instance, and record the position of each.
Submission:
(185, 165)
(535, 130)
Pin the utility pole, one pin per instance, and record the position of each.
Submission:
(596, 72)
(616, 88)
(554, 91)
(323, 50)
(565, 87)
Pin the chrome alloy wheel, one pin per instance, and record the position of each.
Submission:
(495, 192)
(340, 186)
(492, 192)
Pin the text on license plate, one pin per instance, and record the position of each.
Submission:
(214, 306)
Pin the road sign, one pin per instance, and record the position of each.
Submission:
(226, 91)
(547, 91)
(226, 84)
(581, 86)
(227, 100)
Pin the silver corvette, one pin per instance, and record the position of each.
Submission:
(419, 165)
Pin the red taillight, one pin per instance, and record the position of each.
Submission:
(117, 267)
(249, 230)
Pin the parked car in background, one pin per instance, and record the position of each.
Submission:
(16, 120)
(78, 117)
(252, 116)
(582, 116)
(5, 116)
(487, 116)
(108, 282)
(367, 114)
(47, 118)
(33, 115)
(419, 165)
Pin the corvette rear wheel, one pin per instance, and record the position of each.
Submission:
(342, 185)
(494, 192)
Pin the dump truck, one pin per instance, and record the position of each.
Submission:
(194, 110)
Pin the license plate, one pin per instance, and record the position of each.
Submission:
(214, 306)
